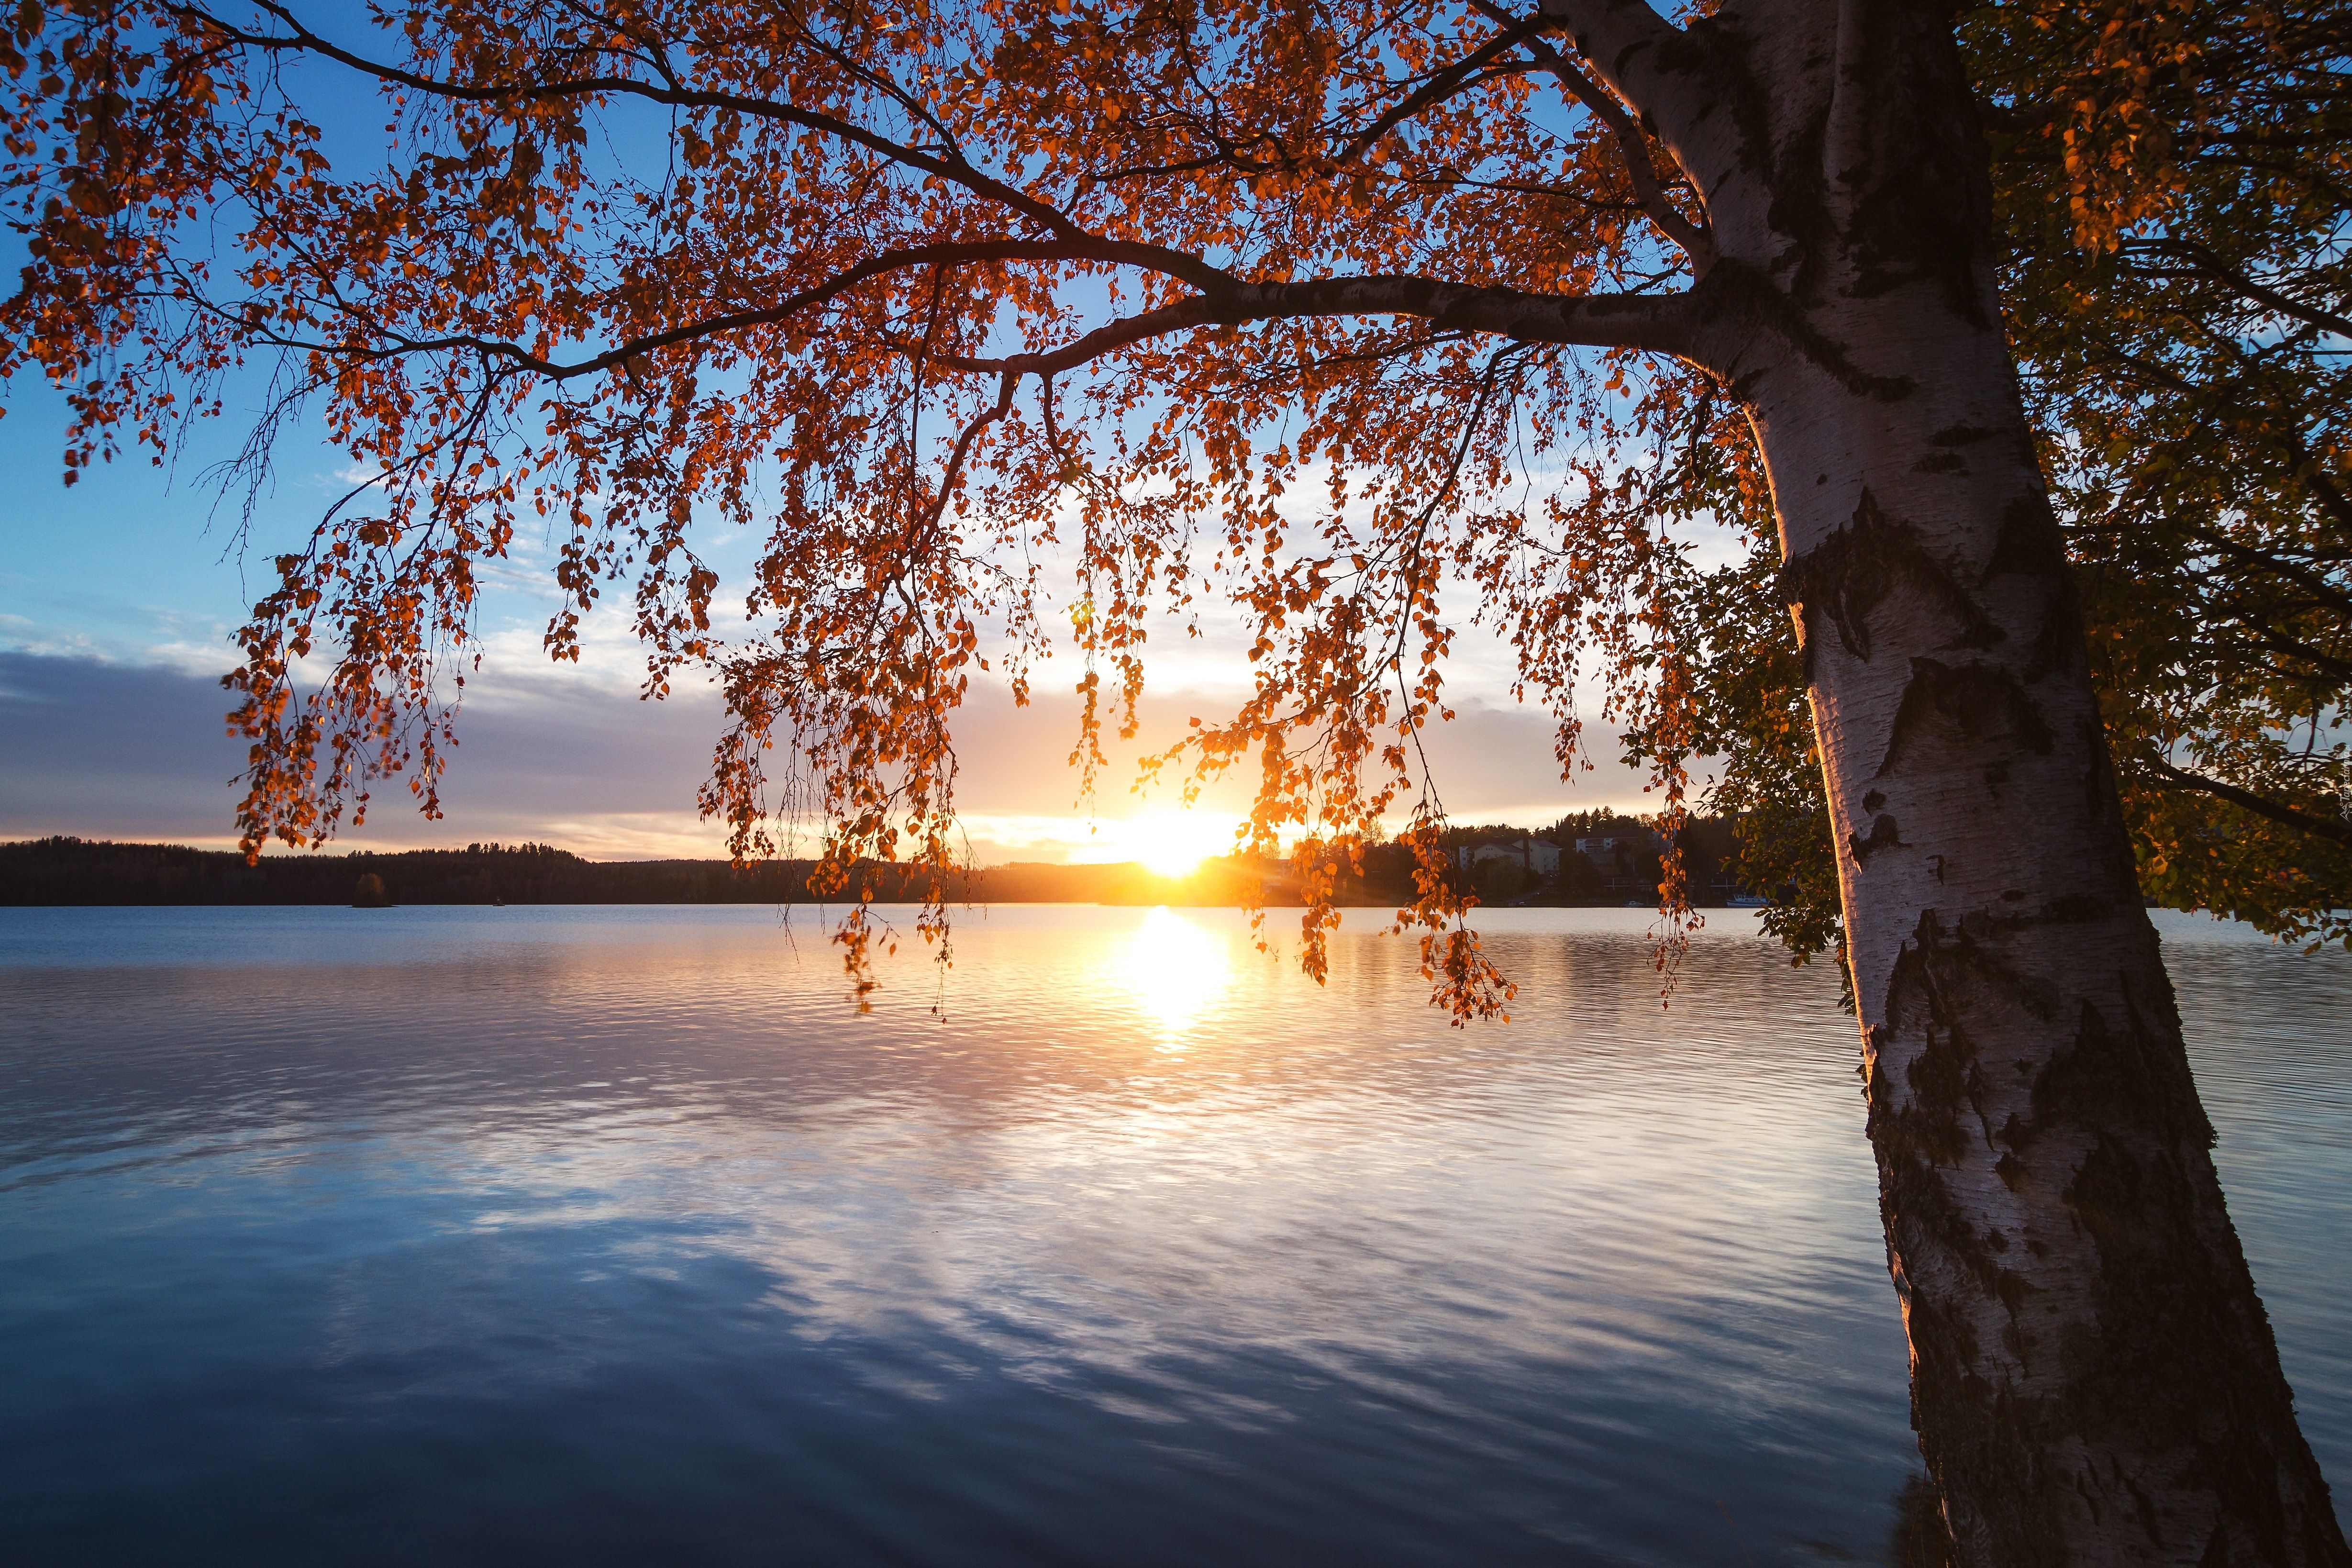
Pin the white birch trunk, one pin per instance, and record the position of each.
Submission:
(2093, 1380)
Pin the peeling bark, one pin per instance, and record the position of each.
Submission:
(2094, 1378)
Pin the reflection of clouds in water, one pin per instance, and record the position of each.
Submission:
(1176, 971)
(1130, 1170)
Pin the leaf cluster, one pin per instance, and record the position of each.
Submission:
(2171, 178)
(1195, 307)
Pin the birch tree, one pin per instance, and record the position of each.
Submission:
(1362, 320)
(2179, 320)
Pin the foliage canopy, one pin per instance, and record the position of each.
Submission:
(1207, 298)
(1358, 319)
(2172, 180)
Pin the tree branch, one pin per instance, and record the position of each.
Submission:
(1625, 41)
(2311, 579)
(300, 40)
(1633, 143)
(1463, 73)
(1662, 323)
(904, 260)
(920, 539)
(2205, 262)
(2336, 829)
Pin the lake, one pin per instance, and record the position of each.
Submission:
(586, 1236)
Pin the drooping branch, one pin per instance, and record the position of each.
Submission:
(920, 536)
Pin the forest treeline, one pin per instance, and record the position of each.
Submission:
(78, 871)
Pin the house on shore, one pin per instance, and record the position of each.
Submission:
(1601, 851)
(1539, 857)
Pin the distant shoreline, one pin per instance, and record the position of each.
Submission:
(66, 872)
(72, 872)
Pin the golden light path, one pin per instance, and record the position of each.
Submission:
(1176, 971)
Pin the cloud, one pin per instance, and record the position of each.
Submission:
(140, 752)
(103, 749)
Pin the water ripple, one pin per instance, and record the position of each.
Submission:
(615, 1236)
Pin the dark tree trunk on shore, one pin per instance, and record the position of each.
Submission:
(2093, 1380)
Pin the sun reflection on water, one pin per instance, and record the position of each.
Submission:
(1176, 970)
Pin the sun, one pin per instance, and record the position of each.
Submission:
(1174, 843)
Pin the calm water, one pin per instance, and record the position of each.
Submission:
(612, 1236)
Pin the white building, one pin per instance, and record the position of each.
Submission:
(1537, 856)
(1601, 849)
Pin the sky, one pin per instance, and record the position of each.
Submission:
(119, 594)
(118, 597)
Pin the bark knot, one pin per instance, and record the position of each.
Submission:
(1976, 702)
(1884, 834)
(1856, 569)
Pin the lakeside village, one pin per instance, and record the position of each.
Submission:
(1593, 858)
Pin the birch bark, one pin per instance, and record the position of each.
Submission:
(2093, 1379)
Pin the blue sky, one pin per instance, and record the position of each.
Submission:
(118, 596)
